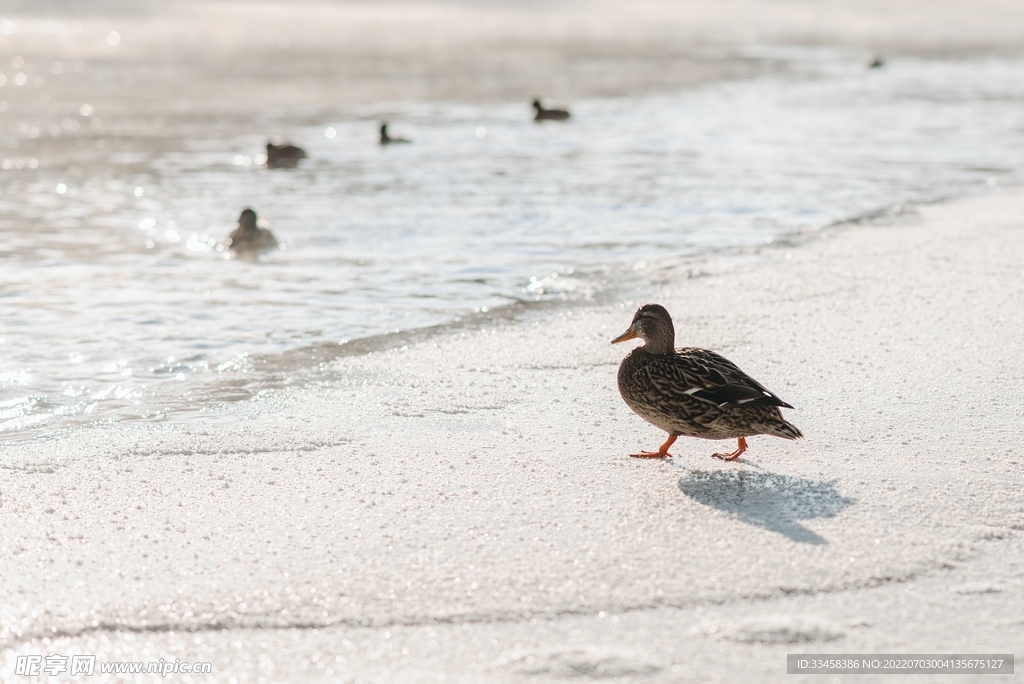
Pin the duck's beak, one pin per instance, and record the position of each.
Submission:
(628, 335)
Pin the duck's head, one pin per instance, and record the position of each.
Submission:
(271, 147)
(247, 220)
(652, 324)
(536, 104)
(383, 129)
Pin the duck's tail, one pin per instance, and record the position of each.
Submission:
(783, 428)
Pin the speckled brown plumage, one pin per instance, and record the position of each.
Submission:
(694, 392)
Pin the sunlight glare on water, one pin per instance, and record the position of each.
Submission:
(120, 302)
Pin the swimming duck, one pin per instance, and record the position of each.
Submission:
(386, 139)
(248, 237)
(693, 392)
(284, 156)
(549, 114)
(874, 62)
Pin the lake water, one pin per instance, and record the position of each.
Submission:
(119, 302)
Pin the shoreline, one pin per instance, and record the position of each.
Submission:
(485, 473)
(322, 209)
(715, 261)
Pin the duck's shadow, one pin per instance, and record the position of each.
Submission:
(766, 500)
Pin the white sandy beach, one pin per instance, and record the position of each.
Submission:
(464, 509)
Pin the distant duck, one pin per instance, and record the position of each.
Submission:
(548, 114)
(386, 139)
(693, 392)
(284, 156)
(874, 61)
(248, 237)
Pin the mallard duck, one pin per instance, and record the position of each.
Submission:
(548, 114)
(284, 156)
(248, 237)
(693, 392)
(386, 139)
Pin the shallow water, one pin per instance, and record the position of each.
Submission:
(120, 303)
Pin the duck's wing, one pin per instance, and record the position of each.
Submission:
(267, 239)
(703, 374)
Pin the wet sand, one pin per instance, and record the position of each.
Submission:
(464, 509)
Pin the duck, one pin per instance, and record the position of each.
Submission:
(284, 156)
(548, 114)
(248, 237)
(386, 139)
(693, 392)
(874, 61)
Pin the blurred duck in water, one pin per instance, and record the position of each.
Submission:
(874, 62)
(386, 139)
(542, 114)
(248, 238)
(284, 156)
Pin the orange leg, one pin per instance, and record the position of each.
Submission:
(736, 454)
(662, 451)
